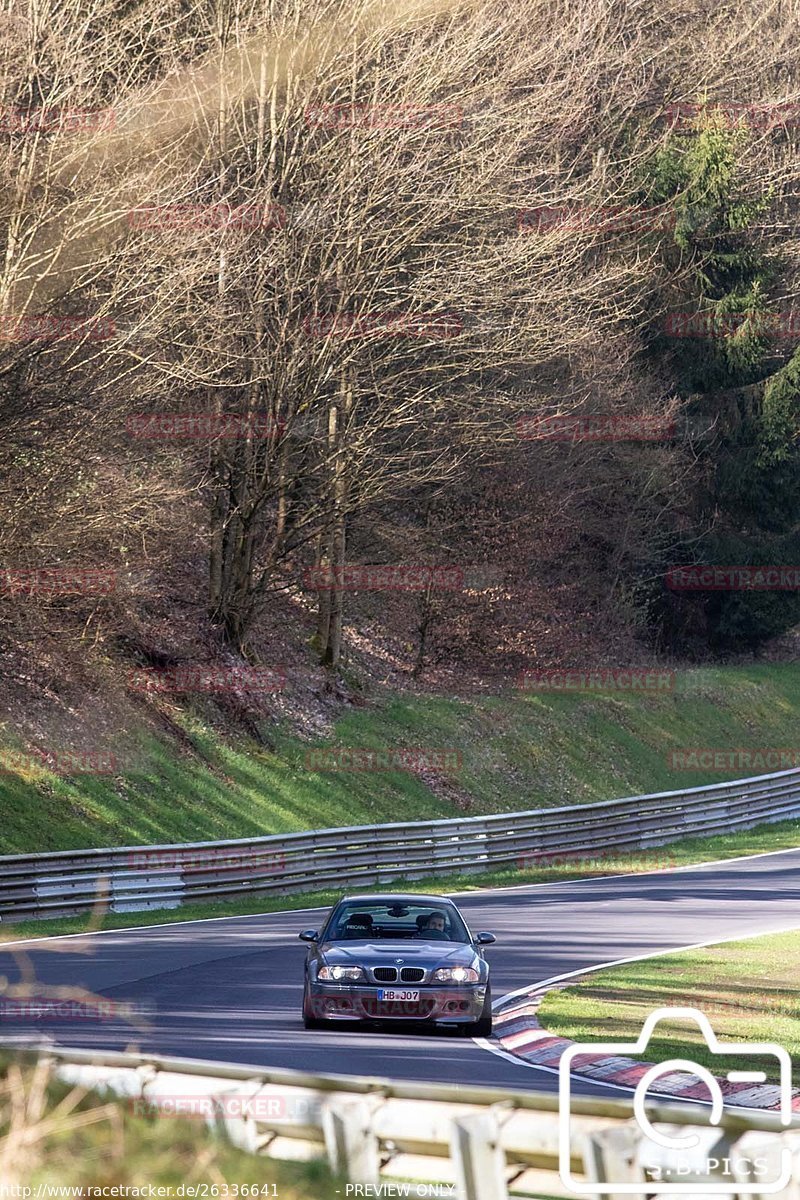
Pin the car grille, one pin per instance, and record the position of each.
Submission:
(391, 974)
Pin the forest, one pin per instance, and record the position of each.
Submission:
(459, 329)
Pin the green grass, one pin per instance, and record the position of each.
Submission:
(781, 836)
(749, 991)
(519, 751)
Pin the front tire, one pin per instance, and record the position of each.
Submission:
(483, 1026)
(309, 1020)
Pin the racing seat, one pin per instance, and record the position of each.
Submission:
(356, 925)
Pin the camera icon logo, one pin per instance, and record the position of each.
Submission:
(669, 1151)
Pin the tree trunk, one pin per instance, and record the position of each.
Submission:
(426, 617)
(338, 420)
(219, 499)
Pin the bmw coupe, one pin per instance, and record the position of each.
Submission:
(397, 958)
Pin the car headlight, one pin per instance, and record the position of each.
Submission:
(456, 975)
(341, 974)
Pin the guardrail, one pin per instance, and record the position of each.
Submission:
(486, 1143)
(134, 878)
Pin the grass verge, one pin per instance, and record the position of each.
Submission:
(53, 1135)
(784, 835)
(747, 989)
(514, 750)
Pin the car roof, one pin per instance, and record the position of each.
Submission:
(396, 898)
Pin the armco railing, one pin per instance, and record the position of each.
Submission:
(133, 878)
(485, 1143)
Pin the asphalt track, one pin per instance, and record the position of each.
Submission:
(230, 989)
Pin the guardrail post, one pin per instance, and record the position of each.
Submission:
(611, 1156)
(752, 1151)
(479, 1158)
(350, 1140)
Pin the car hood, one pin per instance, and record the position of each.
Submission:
(413, 953)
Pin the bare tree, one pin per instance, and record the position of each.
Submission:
(381, 320)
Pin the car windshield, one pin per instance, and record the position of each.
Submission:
(367, 920)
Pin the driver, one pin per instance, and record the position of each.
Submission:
(433, 926)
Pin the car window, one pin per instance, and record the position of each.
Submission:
(368, 921)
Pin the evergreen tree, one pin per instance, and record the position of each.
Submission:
(723, 343)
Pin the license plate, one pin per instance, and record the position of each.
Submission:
(397, 994)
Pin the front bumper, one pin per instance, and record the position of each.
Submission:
(445, 1005)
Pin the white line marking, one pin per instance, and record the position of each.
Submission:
(545, 984)
(63, 937)
(714, 862)
(621, 962)
(485, 1044)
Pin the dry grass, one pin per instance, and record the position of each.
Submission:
(55, 1135)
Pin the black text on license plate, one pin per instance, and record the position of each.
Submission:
(398, 994)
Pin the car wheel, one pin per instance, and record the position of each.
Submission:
(309, 1020)
(483, 1026)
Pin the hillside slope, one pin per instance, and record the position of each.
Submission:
(193, 779)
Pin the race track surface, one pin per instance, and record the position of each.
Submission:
(230, 989)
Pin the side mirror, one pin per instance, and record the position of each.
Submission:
(485, 939)
(311, 935)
